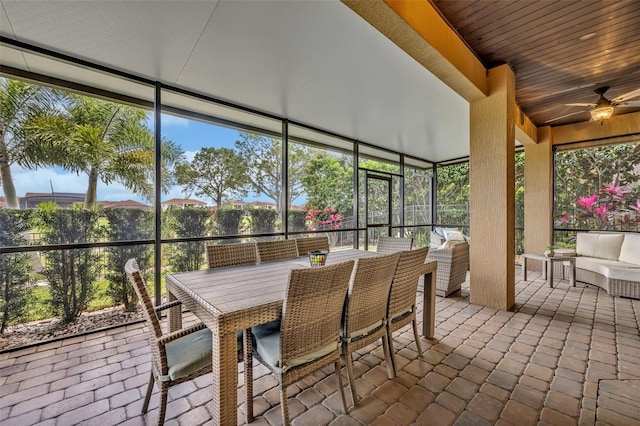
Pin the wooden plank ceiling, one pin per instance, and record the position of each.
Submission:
(561, 51)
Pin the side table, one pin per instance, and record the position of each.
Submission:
(547, 266)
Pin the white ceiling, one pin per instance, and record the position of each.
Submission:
(314, 62)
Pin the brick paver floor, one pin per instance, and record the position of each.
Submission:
(567, 355)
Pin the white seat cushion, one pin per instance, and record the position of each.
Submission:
(612, 269)
(604, 246)
(630, 251)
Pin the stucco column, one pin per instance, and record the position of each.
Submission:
(492, 193)
(538, 193)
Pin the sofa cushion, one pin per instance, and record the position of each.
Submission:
(630, 251)
(604, 246)
(612, 269)
(454, 235)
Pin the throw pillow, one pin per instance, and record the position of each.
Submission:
(454, 236)
(630, 251)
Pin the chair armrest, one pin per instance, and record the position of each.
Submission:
(180, 333)
(169, 305)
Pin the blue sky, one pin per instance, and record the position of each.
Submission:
(191, 135)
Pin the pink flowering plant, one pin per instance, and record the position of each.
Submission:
(322, 218)
(607, 207)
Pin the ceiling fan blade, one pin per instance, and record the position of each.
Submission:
(626, 96)
(581, 105)
(565, 116)
(628, 104)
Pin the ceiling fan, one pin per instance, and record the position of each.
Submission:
(603, 108)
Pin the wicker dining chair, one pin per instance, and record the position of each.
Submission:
(393, 244)
(270, 251)
(365, 310)
(178, 356)
(305, 245)
(222, 255)
(307, 337)
(401, 309)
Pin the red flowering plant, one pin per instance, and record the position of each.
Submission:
(322, 218)
(605, 208)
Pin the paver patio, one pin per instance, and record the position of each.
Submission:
(567, 355)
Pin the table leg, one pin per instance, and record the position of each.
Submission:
(429, 305)
(524, 268)
(225, 377)
(549, 264)
(174, 314)
(544, 269)
(572, 272)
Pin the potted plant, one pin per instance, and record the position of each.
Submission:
(550, 250)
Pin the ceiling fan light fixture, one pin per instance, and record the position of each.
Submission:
(604, 107)
(601, 113)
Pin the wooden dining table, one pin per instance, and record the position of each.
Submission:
(231, 299)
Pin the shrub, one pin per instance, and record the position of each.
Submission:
(71, 273)
(14, 268)
(126, 224)
(187, 222)
(263, 221)
(228, 221)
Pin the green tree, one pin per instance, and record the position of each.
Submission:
(417, 195)
(126, 224)
(19, 103)
(71, 273)
(187, 222)
(453, 194)
(14, 268)
(216, 173)
(328, 183)
(583, 172)
(263, 157)
(106, 141)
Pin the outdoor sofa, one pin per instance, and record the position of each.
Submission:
(609, 260)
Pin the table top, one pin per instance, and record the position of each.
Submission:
(225, 291)
(539, 256)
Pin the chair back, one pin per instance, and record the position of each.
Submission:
(368, 294)
(393, 244)
(220, 256)
(404, 286)
(270, 251)
(312, 309)
(305, 245)
(137, 281)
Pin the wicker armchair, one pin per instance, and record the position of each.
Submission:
(307, 338)
(178, 356)
(365, 310)
(453, 264)
(305, 245)
(220, 256)
(401, 309)
(270, 251)
(393, 245)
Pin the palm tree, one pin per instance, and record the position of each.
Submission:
(105, 141)
(19, 103)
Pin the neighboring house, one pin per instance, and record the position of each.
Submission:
(126, 204)
(3, 203)
(32, 200)
(237, 204)
(262, 205)
(182, 203)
